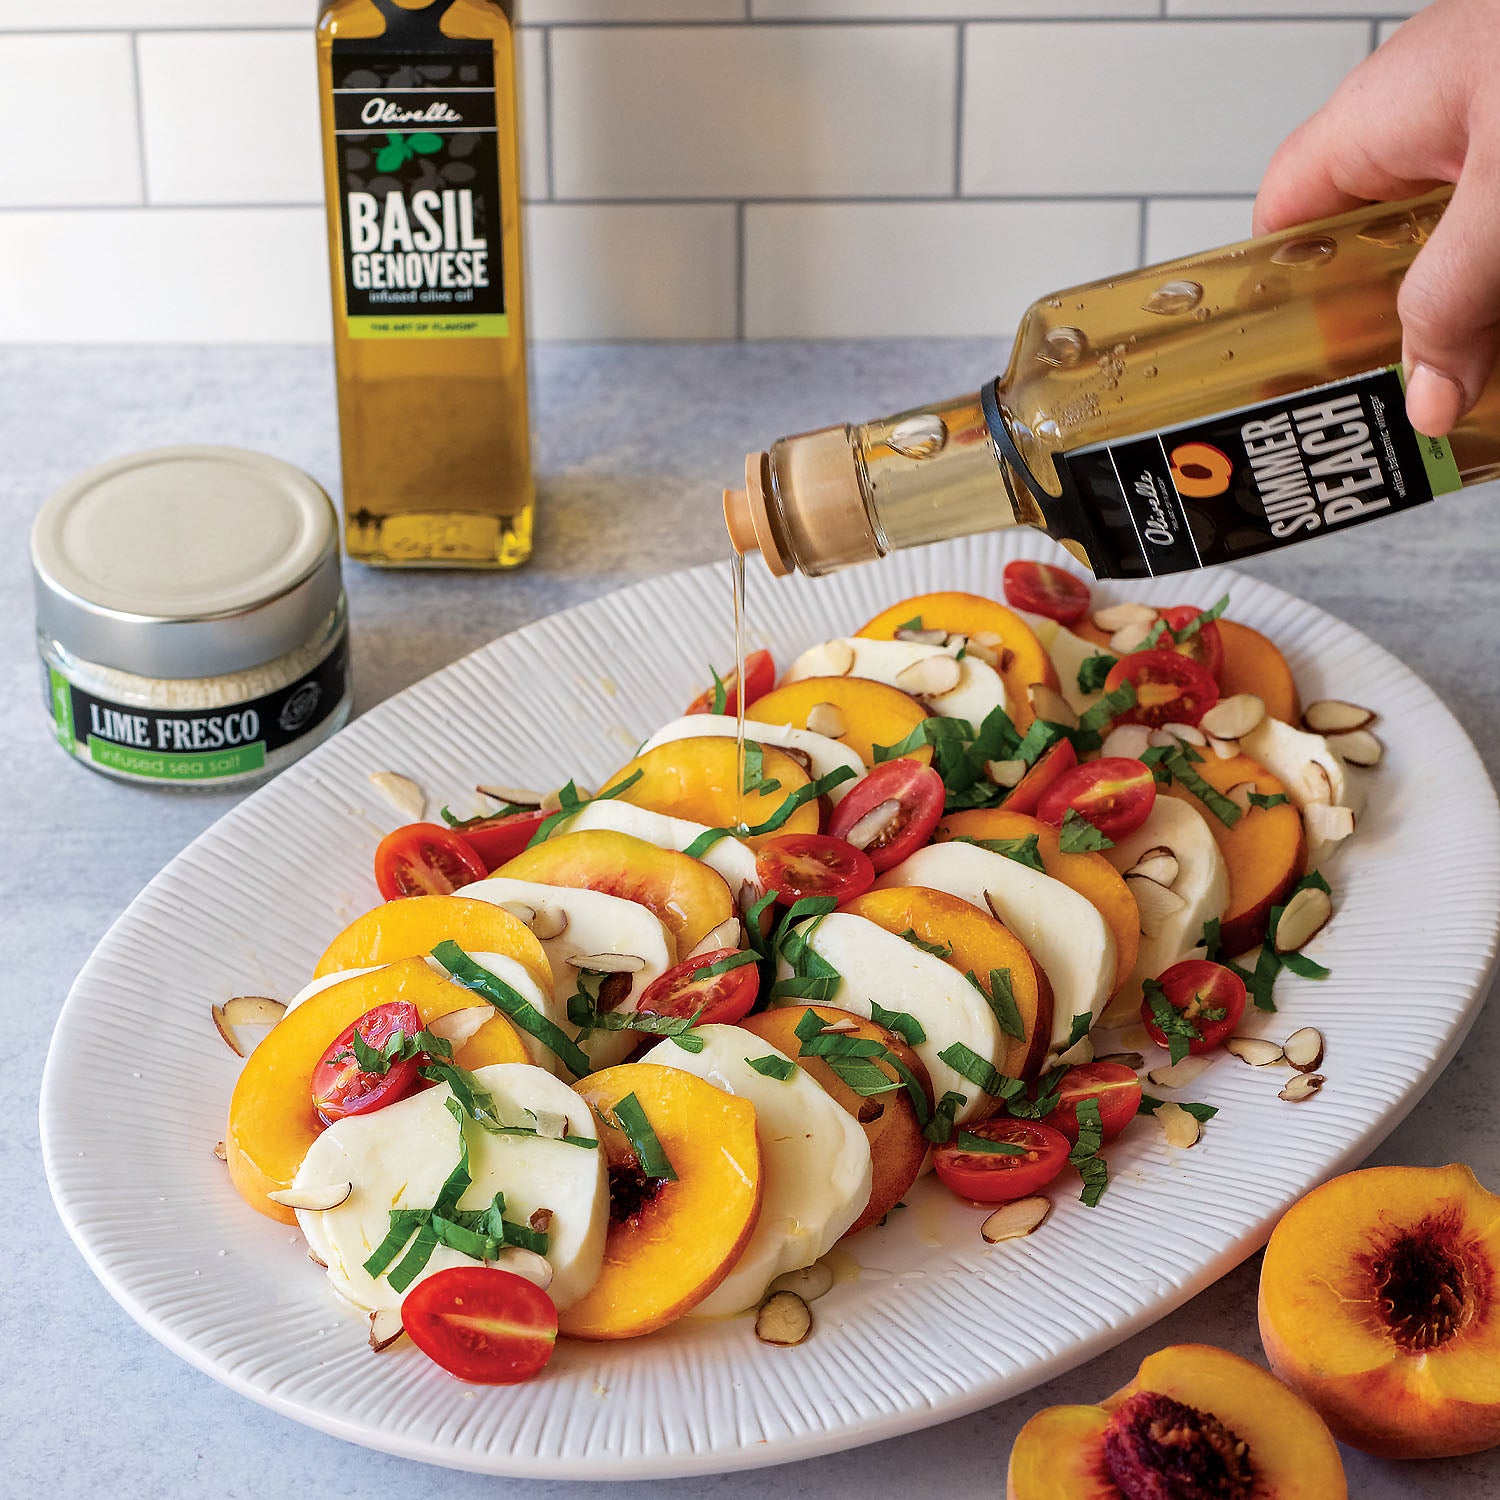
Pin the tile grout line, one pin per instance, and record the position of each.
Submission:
(960, 83)
(140, 117)
(740, 271)
(1142, 207)
(547, 112)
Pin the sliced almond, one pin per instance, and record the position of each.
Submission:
(1016, 1220)
(1234, 717)
(541, 1219)
(875, 824)
(607, 963)
(1359, 747)
(1006, 773)
(1126, 740)
(1049, 704)
(1335, 716)
(221, 1151)
(988, 639)
(1154, 901)
(1132, 1060)
(1129, 637)
(1179, 1074)
(784, 1319)
(931, 677)
(1327, 823)
(1159, 864)
(1239, 794)
(799, 755)
(551, 1125)
(836, 659)
(1303, 1049)
(548, 923)
(458, 1026)
(923, 637)
(245, 1013)
(317, 1259)
(1181, 1129)
(1188, 734)
(315, 1199)
(1114, 616)
(988, 655)
(385, 1328)
(1316, 786)
(726, 935)
(827, 719)
(809, 1283)
(526, 1264)
(844, 1023)
(516, 796)
(1254, 1050)
(402, 793)
(522, 911)
(1080, 1053)
(1302, 1087)
(1223, 749)
(1306, 915)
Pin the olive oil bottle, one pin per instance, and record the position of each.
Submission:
(422, 168)
(1169, 418)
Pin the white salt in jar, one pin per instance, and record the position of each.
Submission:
(191, 616)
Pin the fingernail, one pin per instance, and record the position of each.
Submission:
(1434, 401)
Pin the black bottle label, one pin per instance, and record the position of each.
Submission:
(1247, 481)
(418, 171)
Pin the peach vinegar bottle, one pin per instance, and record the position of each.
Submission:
(1174, 417)
(422, 163)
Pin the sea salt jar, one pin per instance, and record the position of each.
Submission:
(191, 616)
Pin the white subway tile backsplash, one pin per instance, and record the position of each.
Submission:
(1184, 226)
(851, 270)
(546, 12)
(1154, 107)
(166, 275)
(70, 129)
(1292, 7)
(132, 15)
(1388, 29)
(531, 83)
(768, 111)
(946, 10)
(230, 117)
(632, 271)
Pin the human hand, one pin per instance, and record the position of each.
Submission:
(1423, 110)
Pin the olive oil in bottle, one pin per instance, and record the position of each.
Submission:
(422, 161)
(1166, 419)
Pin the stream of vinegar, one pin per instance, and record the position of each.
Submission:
(737, 569)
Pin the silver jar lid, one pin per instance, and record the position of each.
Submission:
(186, 562)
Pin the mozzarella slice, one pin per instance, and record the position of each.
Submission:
(823, 754)
(876, 965)
(1290, 754)
(400, 1156)
(1062, 931)
(815, 1162)
(730, 857)
(597, 923)
(1202, 883)
(979, 687)
(1068, 653)
(329, 980)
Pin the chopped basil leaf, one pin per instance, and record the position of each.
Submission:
(1085, 1153)
(1210, 940)
(1079, 836)
(812, 977)
(1039, 738)
(755, 759)
(982, 1145)
(1105, 712)
(1152, 638)
(760, 942)
(1304, 967)
(808, 793)
(1273, 799)
(649, 1155)
(937, 950)
(1312, 880)
(854, 1058)
(1200, 1112)
(1082, 1024)
(725, 964)
(906, 1026)
(1182, 772)
(1001, 999)
(1025, 851)
(721, 694)
(940, 1127)
(1093, 670)
(1198, 621)
(772, 1066)
(1173, 1024)
(570, 802)
(583, 1012)
(915, 623)
(983, 1075)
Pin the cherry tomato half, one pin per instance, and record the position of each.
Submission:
(1115, 794)
(1199, 990)
(1170, 688)
(1114, 1085)
(425, 859)
(1205, 645)
(998, 1179)
(917, 792)
(1027, 793)
(684, 990)
(760, 678)
(341, 1087)
(812, 864)
(498, 840)
(482, 1324)
(1041, 589)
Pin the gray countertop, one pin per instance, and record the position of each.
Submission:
(635, 441)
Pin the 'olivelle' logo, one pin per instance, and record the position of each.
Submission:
(379, 111)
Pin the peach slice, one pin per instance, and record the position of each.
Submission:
(1253, 665)
(688, 898)
(897, 1146)
(669, 1243)
(1023, 658)
(272, 1121)
(1265, 851)
(979, 943)
(697, 779)
(1091, 875)
(873, 712)
(1380, 1304)
(415, 925)
(1213, 1422)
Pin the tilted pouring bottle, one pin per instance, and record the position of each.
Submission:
(1186, 414)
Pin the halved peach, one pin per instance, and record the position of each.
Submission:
(1253, 665)
(272, 1121)
(873, 712)
(979, 943)
(1192, 1413)
(1380, 1304)
(688, 898)
(699, 779)
(890, 1121)
(415, 925)
(669, 1243)
(1091, 875)
(1265, 851)
(1023, 658)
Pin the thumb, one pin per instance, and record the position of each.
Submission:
(1449, 305)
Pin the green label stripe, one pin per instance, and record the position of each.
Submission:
(1437, 455)
(475, 326)
(163, 765)
(62, 707)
